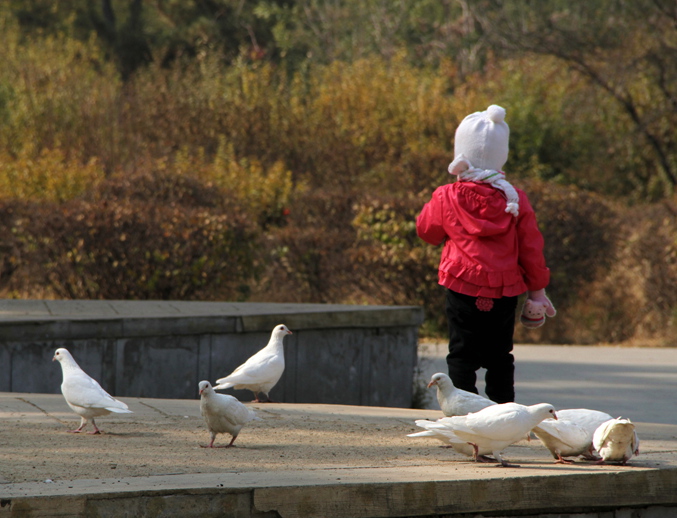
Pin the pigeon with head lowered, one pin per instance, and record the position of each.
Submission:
(571, 433)
(493, 428)
(616, 441)
(223, 414)
(454, 401)
(262, 371)
(84, 394)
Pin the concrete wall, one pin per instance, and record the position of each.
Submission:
(337, 354)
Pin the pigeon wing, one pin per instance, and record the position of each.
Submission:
(506, 421)
(84, 391)
(263, 369)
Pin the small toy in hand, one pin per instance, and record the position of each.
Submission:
(533, 313)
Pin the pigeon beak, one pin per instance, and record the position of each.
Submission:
(432, 383)
(53, 358)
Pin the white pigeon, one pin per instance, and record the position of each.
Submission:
(493, 428)
(616, 441)
(223, 414)
(262, 371)
(454, 401)
(84, 394)
(571, 433)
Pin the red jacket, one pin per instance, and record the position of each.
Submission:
(487, 251)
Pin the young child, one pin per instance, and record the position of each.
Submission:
(493, 252)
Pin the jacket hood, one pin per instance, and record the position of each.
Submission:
(480, 209)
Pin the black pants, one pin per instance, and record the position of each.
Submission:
(482, 339)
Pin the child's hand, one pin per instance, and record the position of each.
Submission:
(536, 307)
(540, 296)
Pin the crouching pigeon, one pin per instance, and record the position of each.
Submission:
(84, 394)
(616, 441)
(223, 414)
(493, 428)
(455, 401)
(262, 371)
(571, 433)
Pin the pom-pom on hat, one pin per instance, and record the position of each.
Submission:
(482, 137)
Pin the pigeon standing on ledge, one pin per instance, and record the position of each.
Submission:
(223, 414)
(84, 394)
(262, 371)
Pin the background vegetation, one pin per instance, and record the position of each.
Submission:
(281, 150)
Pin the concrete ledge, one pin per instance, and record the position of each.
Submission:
(42, 319)
(133, 347)
(364, 493)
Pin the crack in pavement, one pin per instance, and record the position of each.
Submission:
(42, 410)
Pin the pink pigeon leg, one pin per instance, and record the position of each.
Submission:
(83, 422)
(562, 460)
(96, 429)
(258, 400)
(476, 456)
(211, 443)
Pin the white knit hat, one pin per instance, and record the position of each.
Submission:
(481, 150)
(482, 137)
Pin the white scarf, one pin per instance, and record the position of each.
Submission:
(466, 172)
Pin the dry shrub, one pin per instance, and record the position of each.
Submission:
(160, 187)
(11, 259)
(306, 258)
(147, 240)
(635, 301)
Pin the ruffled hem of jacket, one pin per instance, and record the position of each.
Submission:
(478, 283)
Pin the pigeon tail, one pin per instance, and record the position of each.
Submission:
(427, 433)
(119, 410)
(221, 384)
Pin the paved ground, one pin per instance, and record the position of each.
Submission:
(296, 446)
(637, 383)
